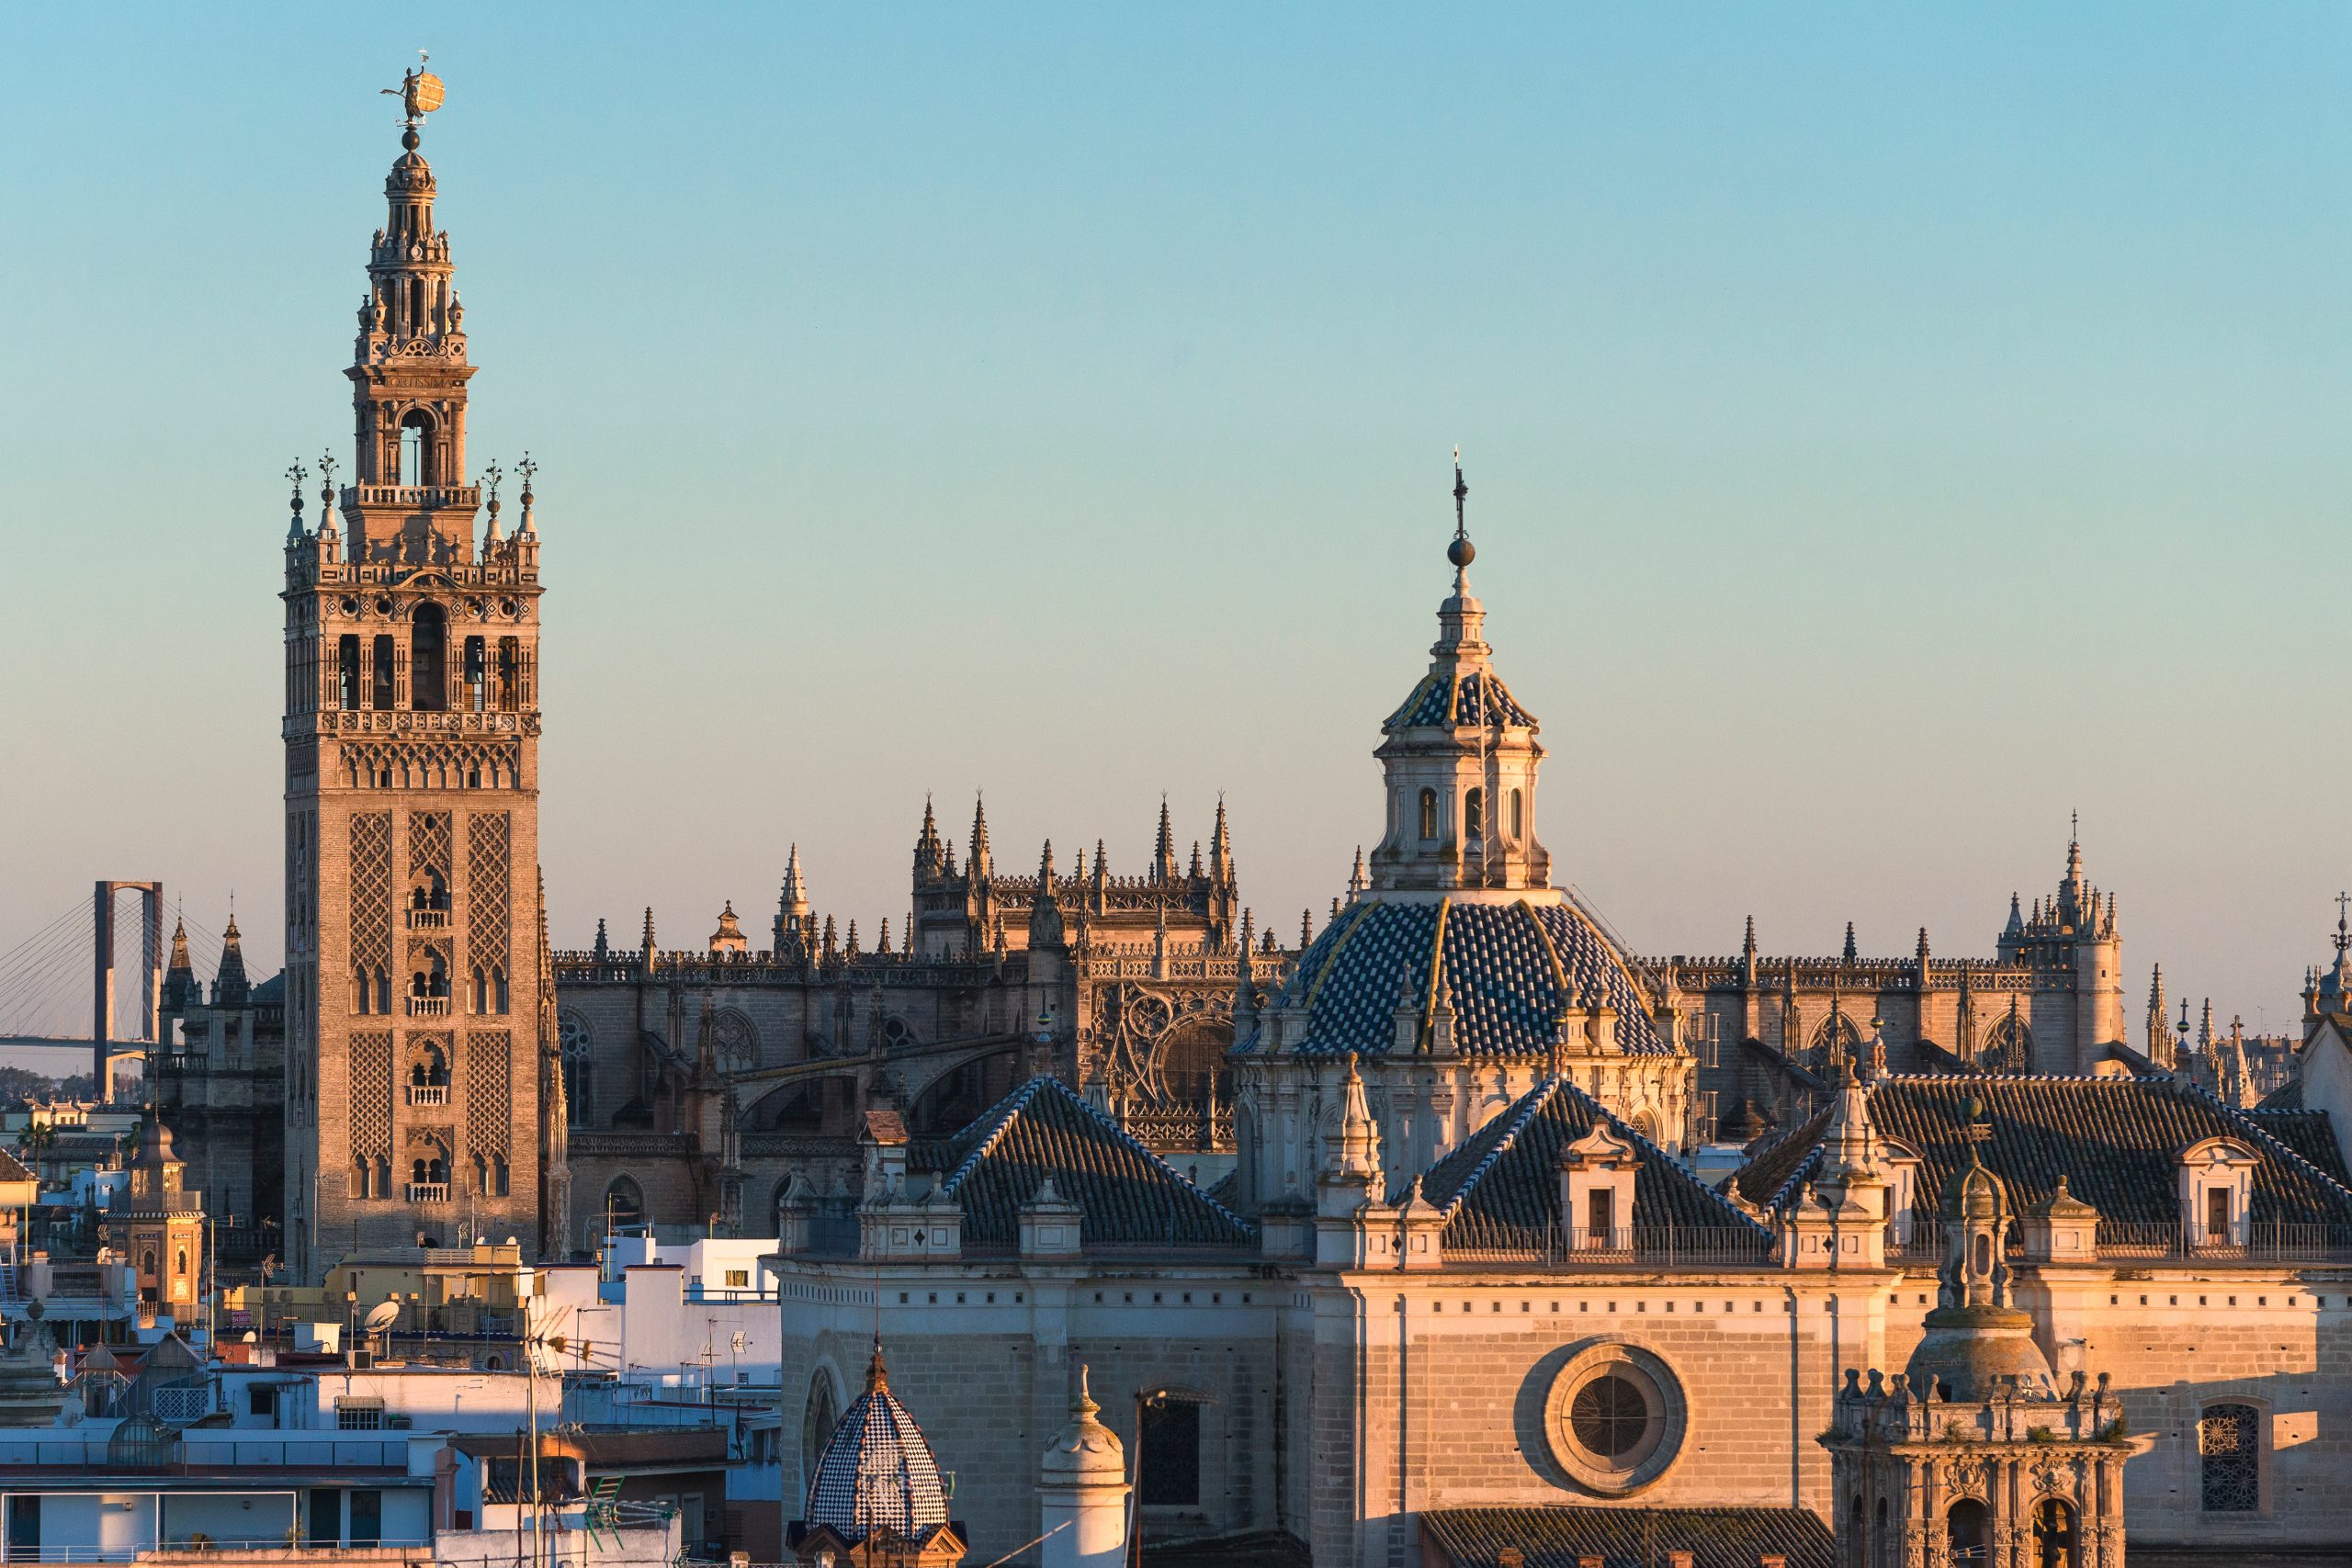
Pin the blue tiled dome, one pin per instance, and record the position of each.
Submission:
(1504, 963)
(877, 1472)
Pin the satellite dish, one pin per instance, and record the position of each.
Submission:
(382, 1316)
(428, 92)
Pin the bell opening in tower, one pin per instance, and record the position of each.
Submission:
(429, 659)
(416, 447)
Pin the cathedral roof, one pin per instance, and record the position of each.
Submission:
(1504, 964)
(1501, 1188)
(1043, 1130)
(2118, 1140)
(2308, 1133)
(877, 1472)
(1566, 1535)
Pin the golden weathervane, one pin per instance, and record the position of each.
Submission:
(420, 91)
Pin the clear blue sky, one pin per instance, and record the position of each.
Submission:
(1890, 428)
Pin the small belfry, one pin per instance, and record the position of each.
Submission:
(414, 971)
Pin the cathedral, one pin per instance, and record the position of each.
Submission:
(1452, 1228)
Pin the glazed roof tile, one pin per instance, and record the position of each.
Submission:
(1501, 1188)
(2117, 1141)
(2309, 1134)
(1131, 1196)
(1473, 697)
(1499, 971)
(1562, 1534)
(877, 1472)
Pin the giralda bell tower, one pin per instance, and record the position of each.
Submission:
(414, 968)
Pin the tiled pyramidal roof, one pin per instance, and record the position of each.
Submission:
(2116, 1139)
(1502, 1187)
(1499, 967)
(1621, 1536)
(1131, 1196)
(1477, 697)
(877, 1472)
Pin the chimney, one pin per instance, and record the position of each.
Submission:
(1771, 1559)
(1677, 1560)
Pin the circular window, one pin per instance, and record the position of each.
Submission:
(1614, 1418)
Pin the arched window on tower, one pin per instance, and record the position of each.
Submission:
(1474, 814)
(1428, 816)
(428, 670)
(1518, 814)
(383, 990)
(380, 696)
(498, 987)
(346, 672)
(477, 674)
(363, 993)
(509, 672)
(480, 999)
(412, 454)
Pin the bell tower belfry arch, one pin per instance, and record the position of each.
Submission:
(413, 970)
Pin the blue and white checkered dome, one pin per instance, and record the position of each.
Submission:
(1510, 968)
(877, 1470)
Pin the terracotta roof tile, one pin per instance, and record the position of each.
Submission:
(1558, 1536)
(1501, 1188)
(2116, 1139)
(1132, 1196)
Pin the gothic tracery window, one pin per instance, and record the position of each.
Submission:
(571, 1033)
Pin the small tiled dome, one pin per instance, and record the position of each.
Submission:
(877, 1472)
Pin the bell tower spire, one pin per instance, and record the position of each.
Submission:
(409, 499)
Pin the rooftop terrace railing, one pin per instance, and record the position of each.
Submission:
(1621, 1247)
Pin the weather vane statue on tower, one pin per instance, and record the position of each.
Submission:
(420, 92)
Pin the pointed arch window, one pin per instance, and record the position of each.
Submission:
(346, 676)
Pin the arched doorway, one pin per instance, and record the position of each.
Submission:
(2055, 1540)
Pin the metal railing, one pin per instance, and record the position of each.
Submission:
(2242, 1242)
(1618, 1246)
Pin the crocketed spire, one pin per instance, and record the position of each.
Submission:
(230, 988)
(877, 1470)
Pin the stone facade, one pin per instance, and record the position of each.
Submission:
(1123, 983)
